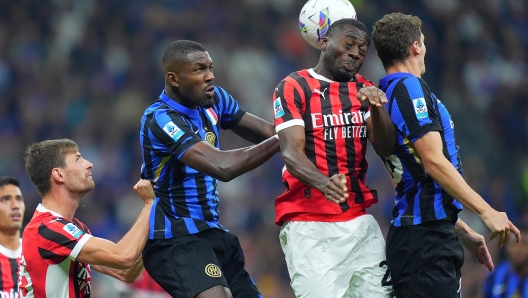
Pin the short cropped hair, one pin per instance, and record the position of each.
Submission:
(178, 50)
(43, 157)
(339, 25)
(394, 34)
(7, 180)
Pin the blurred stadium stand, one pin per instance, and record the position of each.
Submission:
(87, 69)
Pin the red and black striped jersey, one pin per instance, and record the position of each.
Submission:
(47, 268)
(334, 121)
(8, 271)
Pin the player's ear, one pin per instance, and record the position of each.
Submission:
(172, 79)
(57, 175)
(324, 43)
(415, 48)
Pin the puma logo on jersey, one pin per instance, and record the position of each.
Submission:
(320, 93)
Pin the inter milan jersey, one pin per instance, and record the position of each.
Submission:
(8, 271)
(334, 122)
(186, 199)
(48, 266)
(416, 111)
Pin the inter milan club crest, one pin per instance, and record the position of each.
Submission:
(210, 138)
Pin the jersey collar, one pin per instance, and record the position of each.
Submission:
(173, 104)
(385, 81)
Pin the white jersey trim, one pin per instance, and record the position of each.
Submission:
(77, 249)
(288, 124)
(367, 115)
(41, 208)
(318, 76)
(10, 253)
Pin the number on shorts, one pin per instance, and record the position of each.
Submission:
(386, 280)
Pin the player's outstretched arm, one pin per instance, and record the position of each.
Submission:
(474, 243)
(227, 165)
(380, 128)
(253, 129)
(429, 148)
(124, 254)
(292, 142)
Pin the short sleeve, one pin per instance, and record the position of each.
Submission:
(288, 104)
(228, 108)
(170, 133)
(59, 238)
(412, 109)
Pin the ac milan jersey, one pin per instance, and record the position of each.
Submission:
(334, 121)
(8, 271)
(48, 267)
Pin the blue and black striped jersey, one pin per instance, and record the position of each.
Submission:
(414, 110)
(186, 200)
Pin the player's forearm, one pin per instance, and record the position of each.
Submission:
(304, 170)
(462, 228)
(127, 275)
(234, 163)
(131, 245)
(443, 172)
(382, 134)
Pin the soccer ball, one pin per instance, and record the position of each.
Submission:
(317, 15)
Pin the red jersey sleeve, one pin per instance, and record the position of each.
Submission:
(59, 238)
(289, 104)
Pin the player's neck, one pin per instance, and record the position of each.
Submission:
(10, 239)
(410, 66)
(65, 205)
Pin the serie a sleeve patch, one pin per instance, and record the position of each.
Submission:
(173, 131)
(420, 108)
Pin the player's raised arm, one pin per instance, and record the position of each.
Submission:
(125, 253)
(253, 128)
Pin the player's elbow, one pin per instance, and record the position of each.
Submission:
(124, 262)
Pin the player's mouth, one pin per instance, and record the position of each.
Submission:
(349, 66)
(16, 216)
(209, 91)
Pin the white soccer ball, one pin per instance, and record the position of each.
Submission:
(317, 15)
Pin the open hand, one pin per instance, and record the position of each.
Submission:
(500, 225)
(476, 244)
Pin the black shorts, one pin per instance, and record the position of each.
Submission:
(425, 260)
(190, 264)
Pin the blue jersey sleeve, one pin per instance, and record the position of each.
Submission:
(170, 133)
(412, 109)
(228, 108)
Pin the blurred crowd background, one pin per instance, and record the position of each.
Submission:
(87, 69)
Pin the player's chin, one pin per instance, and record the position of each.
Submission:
(207, 102)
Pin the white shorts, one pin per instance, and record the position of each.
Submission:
(336, 259)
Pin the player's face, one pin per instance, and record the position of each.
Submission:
(78, 174)
(12, 208)
(196, 80)
(345, 53)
